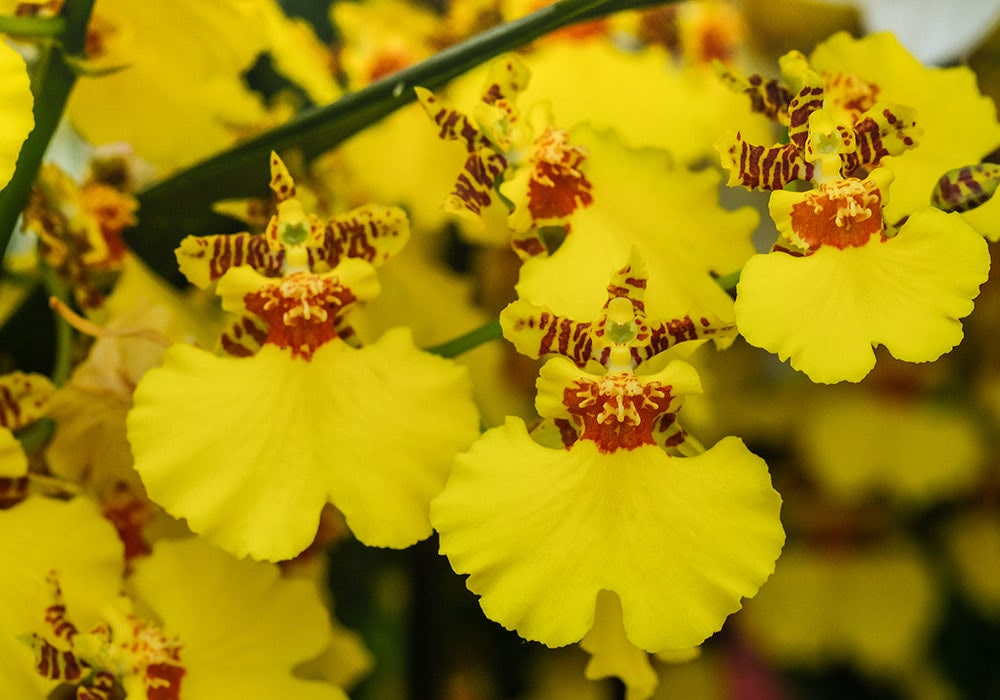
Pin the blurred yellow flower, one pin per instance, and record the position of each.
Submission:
(645, 99)
(79, 228)
(37, 536)
(24, 399)
(379, 37)
(144, 92)
(234, 627)
(915, 453)
(872, 607)
(973, 540)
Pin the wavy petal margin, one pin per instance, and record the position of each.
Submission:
(542, 531)
(248, 450)
(244, 626)
(827, 310)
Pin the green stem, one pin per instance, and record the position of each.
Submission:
(55, 287)
(181, 205)
(473, 339)
(729, 282)
(32, 27)
(621, 6)
(36, 434)
(51, 85)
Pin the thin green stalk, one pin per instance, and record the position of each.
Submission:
(729, 282)
(180, 206)
(63, 365)
(32, 27)
(51, 84)
(473, 339)
(36, 434)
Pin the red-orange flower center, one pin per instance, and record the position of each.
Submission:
(842, 214)
(300, 310)
(617, 411)
(557, 187)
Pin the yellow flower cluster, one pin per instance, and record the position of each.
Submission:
(178, 464)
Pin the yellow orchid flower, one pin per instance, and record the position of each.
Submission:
(234, 627)
(171, 85)
(79, 227)
(959, 124)
(39, 535)
(297, 394)
(502, 144)
(609, 493)
(842, 277)
(841, 281)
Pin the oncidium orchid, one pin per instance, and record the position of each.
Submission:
(232, 627)
(567, 361)
(536, 160)
(843, 277)
(609, 495)
(253, 456)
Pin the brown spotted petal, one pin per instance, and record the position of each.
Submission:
(964, 189)
(245, 337)
(771, 168)
(664, 335)
(768, 97)
(23, 398)
(281, 183)
(371, 233)
(884, 130)
(808, 100)
(536, 332)
(453, 125)
(473, 190)
(204, 259)
(474, 185)
(497, 115)
(762, 168)
(622, 331)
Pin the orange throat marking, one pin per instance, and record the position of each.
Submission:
(842, 214)
(300, 310)
(617, 411)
